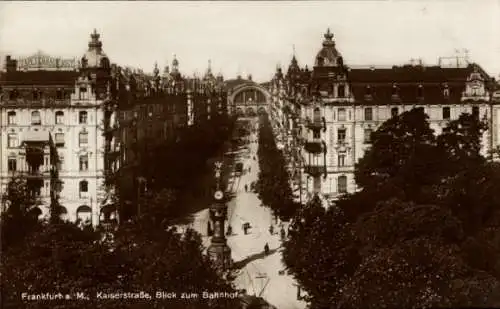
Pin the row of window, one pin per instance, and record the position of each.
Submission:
(341, 135)
(83, 140)
(83, 163)
(36, 94)
(368, 113)
(341, 184)
(36, 118)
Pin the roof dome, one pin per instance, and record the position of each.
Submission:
(94, 57)
(328, 56)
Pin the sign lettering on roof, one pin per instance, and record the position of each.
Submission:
(40, 61)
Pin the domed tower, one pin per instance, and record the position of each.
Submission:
(175, 68)
(95, 65)
(220, 77)
(94, 57)
(328, 56)
(329, 73)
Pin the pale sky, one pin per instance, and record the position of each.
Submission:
(253, 37)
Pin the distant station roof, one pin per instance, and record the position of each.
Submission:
(233, 83)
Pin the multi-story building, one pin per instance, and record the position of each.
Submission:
(87, 122)
(157, 110)
(52, 118)
(332, 110)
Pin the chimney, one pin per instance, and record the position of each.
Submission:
(10, 64)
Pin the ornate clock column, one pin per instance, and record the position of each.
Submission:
(218, 251)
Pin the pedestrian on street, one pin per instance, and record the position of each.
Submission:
(271, 229)
(229, 230)
(266, 249)
(249, 169)
(283, 234)
(246, 188)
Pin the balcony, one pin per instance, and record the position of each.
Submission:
(43, 102)
(313, 146)
(315, 170)
(34, 174)
(316, 124)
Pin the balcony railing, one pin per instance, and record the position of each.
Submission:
(315, 170)
(315, 124)
(39, 102)
(34, 174)
(313, 146)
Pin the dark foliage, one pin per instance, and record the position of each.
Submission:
(273, 184)
(20, 217)
(145, 255)
(423, 232)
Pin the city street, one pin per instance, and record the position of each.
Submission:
(257, 273)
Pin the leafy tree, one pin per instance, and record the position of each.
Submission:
(273, 181)
(402, 154)
(423, 232)
(20, 217)
(143, 257)
(461, 142)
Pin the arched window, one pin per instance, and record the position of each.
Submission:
(11, 117)
(82, 117)
(59, 117)
(342, 184)
(35, 118)
(83, 186)
(446, 91)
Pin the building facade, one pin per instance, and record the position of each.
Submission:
(53, 108)
(87, 122)
(157, 110)
(329, 112)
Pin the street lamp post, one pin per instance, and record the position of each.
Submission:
(218, 251)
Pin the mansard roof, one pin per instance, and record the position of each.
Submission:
(41, 78)
(412, 84)
(410, 74)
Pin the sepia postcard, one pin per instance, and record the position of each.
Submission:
(250, 154)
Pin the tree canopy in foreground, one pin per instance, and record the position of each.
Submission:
(423, 232)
